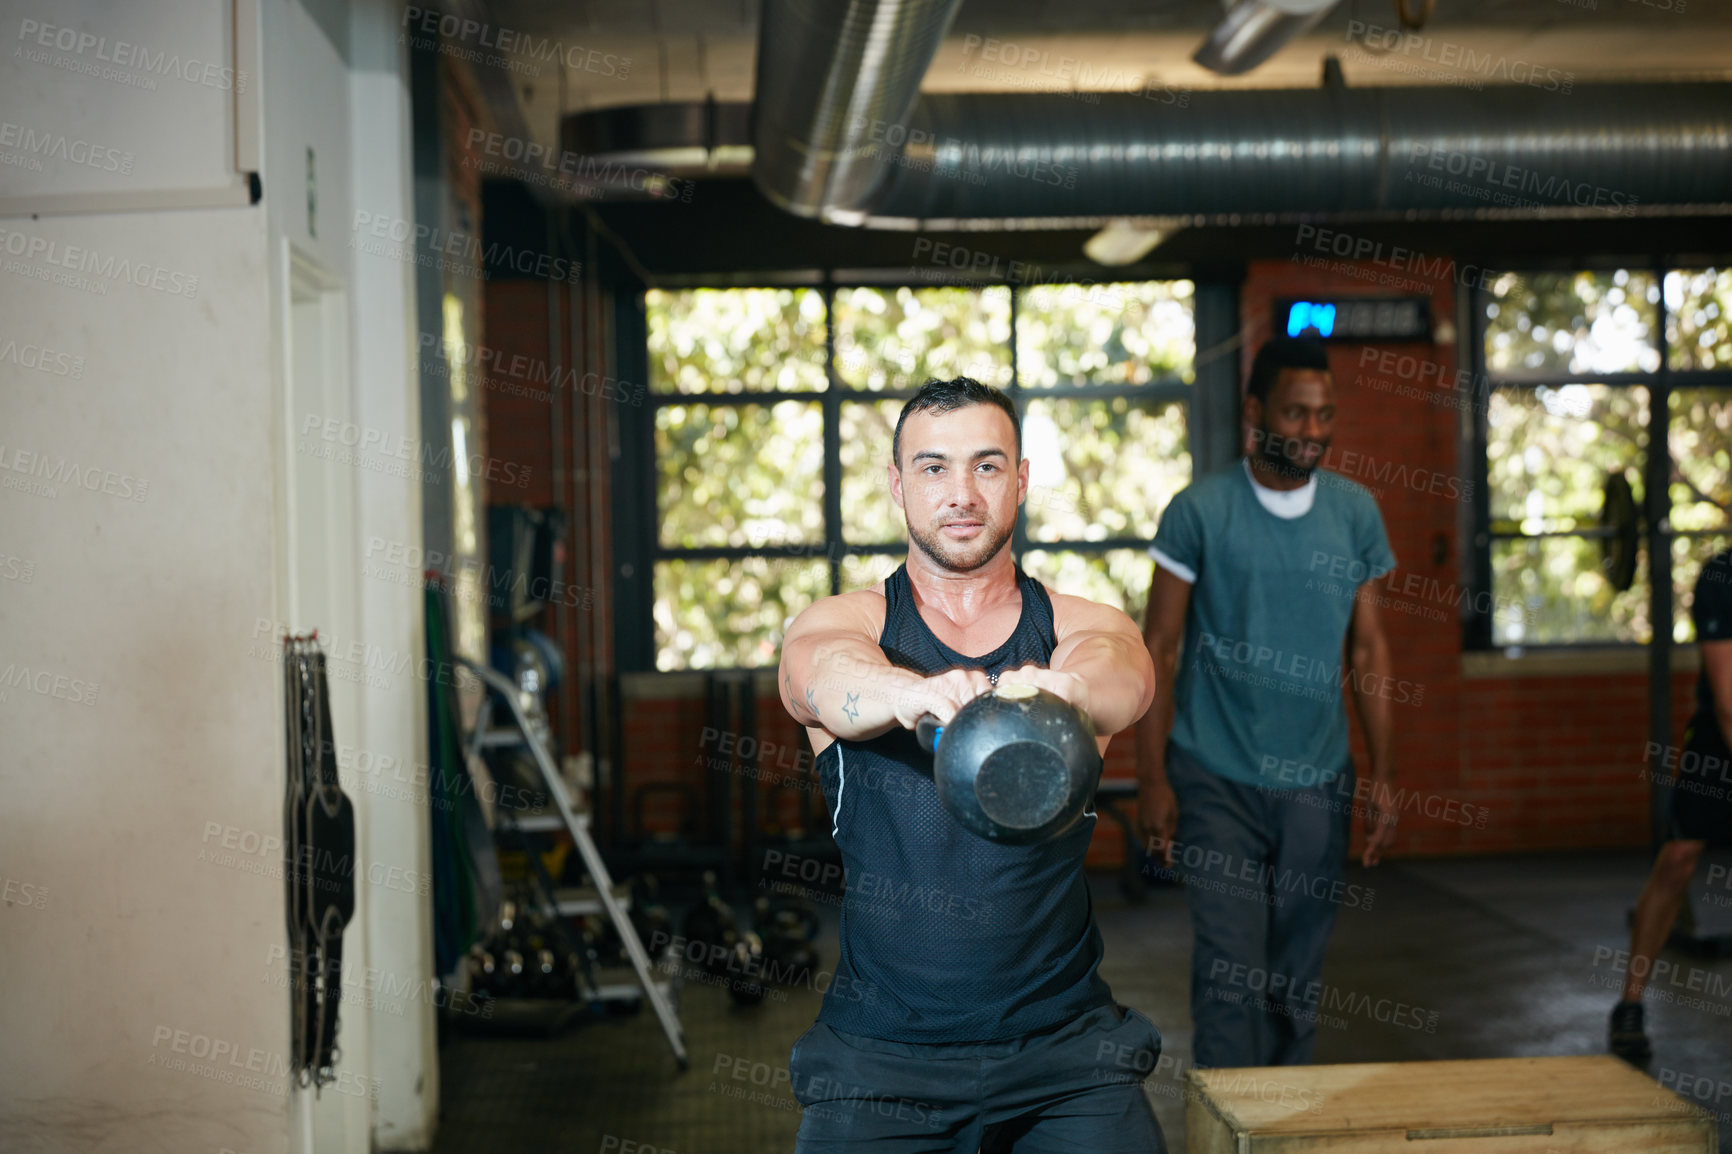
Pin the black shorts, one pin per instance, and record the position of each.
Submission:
(1702, 796)
(1078, 1087)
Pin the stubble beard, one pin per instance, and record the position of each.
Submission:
(964, 557)
(1282, 465)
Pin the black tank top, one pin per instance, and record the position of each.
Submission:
(948, 937)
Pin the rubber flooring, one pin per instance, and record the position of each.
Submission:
(1493, 957)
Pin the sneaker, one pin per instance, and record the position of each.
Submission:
(1627, 1038)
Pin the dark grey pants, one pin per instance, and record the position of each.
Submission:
(1262, 871)
(1076, 1087)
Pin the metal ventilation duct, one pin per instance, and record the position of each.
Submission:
(1606, 148)
(680, 139)
(833, 76)
(1005, 161)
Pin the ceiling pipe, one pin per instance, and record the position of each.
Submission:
(1606, 149)
(836, 82)
(1048, 160)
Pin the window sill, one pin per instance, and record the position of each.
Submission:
(685, 684)
(1571, 661)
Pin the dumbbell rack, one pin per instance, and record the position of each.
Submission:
(577, 824)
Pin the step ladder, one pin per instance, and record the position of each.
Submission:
(603, 899)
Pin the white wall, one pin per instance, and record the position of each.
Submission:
(154, 601)
(146, 476)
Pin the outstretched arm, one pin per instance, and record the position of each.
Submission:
(1099, 665)
(835, 677)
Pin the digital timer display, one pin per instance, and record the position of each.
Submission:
(1362, 319)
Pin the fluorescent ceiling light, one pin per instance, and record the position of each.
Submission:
(1124, 242)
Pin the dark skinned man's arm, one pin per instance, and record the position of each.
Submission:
(1163, 633)
(1368, 658)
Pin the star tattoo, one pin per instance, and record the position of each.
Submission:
(850, 709)
(811, 704)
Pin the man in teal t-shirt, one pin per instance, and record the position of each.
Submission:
(1245, 782)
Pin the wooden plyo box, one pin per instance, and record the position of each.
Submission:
(1583, 1105)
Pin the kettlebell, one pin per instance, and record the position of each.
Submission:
(1017, 765)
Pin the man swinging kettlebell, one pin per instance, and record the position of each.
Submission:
(961, 652)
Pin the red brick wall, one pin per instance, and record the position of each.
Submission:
(540, 421)
(1556, 760)
(665, 741)
(663, 738)
(519, 407)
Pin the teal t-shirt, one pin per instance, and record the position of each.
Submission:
(1258, 698)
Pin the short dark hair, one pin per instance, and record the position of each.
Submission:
(1280, 353)
(942, 397)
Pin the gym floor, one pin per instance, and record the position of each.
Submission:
(1512, 955)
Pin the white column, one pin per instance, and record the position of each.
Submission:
(398, 925)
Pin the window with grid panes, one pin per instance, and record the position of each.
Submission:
(773, 410)
(1573, 364)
